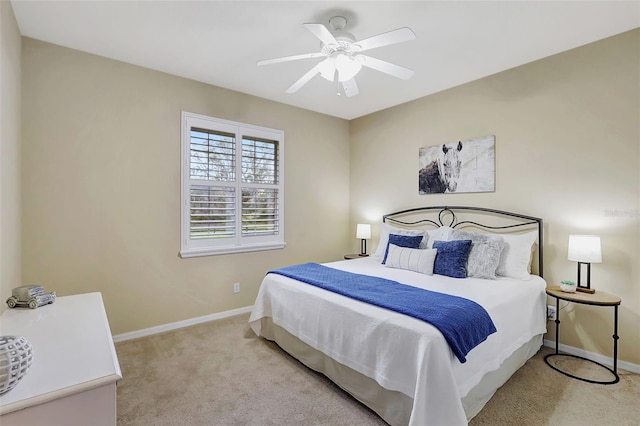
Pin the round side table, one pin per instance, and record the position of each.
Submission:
(354, 256)
(598, 298)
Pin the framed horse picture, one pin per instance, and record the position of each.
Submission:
(462, 166)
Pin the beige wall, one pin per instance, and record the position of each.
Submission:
(101, 187)
(10, 51)
(567, 149)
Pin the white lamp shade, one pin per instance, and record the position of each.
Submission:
(327, 68)
(347, 67)
(363, 231)
(585, 248)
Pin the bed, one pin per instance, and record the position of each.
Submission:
(401, 367)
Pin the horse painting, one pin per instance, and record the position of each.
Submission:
(441, 175)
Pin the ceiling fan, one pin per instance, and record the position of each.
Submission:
(342, 55)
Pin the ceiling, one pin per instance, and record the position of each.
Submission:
(219, 42)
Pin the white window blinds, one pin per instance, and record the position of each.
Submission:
(232, 187)
(259, 201)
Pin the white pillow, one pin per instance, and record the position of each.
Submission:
(387, 229)
(514, 260)
(416, 260)
(439, 234)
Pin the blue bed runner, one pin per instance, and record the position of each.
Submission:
(464, 323)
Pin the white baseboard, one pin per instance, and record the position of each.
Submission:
(179, 324)
(628, 366)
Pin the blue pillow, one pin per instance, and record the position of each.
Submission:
(409, 241)
(451, 259)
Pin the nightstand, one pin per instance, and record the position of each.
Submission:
(598, 298)
(354, 256)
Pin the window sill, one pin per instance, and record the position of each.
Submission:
(185, 254)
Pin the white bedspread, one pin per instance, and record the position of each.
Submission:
(400, 352)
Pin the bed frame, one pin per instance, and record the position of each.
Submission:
(447, 217)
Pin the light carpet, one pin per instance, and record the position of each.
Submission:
(219, 373)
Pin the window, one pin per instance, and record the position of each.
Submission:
(232, 187)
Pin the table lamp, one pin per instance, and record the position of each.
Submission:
(363, 231)
(585, 249)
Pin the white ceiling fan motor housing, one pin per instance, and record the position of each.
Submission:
(342, 54)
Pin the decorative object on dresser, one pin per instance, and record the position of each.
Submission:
(32, 296)
(15, 360)
(585, 249)
(363, 232)
(461, 166)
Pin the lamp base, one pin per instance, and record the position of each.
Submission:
(583, 288)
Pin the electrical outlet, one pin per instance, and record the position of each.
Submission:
(236, 287)
(551, 312)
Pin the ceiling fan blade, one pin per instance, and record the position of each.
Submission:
(322, 33)
(305, 78)
(289, 58)
(350, 87)
(386, 67)
(385, 39)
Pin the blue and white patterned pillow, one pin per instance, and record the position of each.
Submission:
(417, 260)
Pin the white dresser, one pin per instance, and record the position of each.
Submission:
(72, 380)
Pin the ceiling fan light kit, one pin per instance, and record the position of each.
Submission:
(342, 58)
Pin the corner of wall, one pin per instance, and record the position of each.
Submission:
(10, 169)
